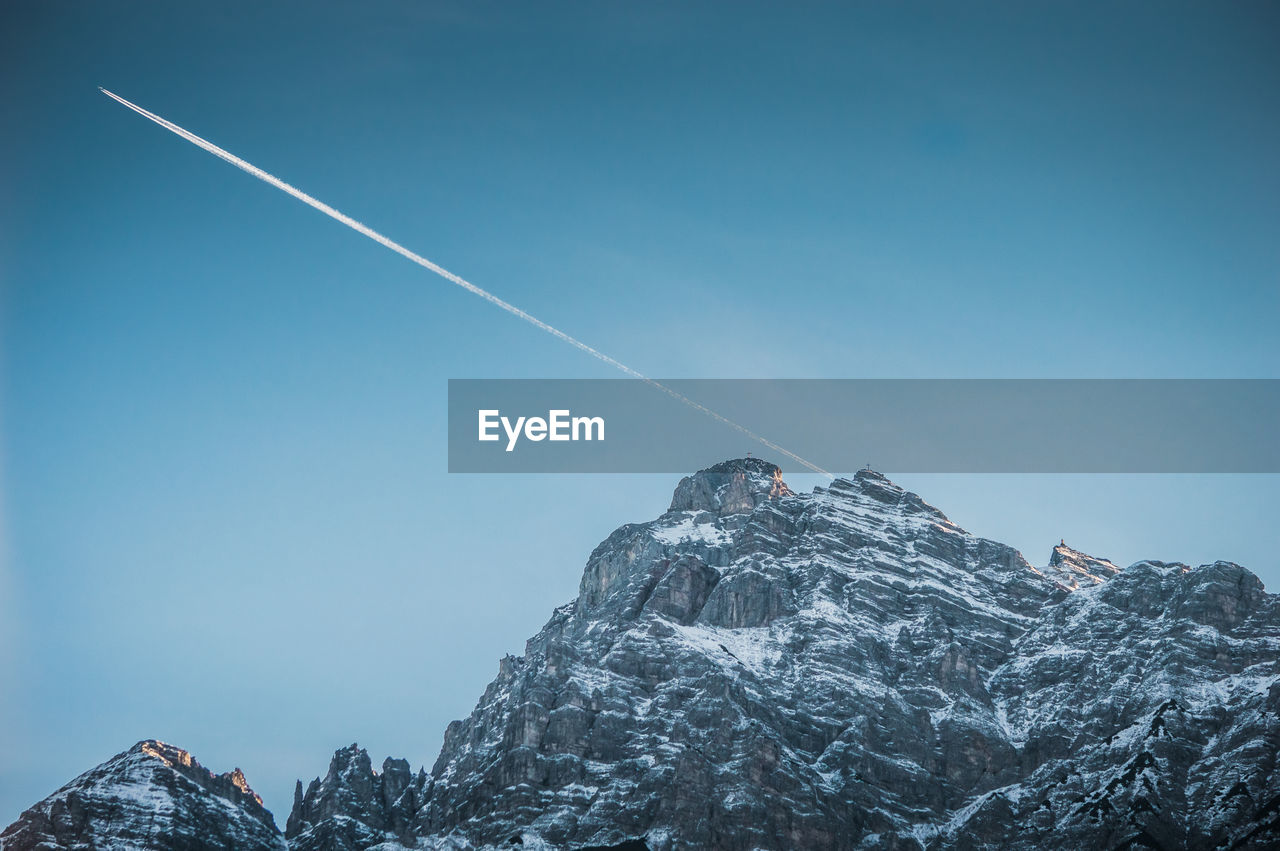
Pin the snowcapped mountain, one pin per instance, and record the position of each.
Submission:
(841, 669)
(151, 796)
(1075, 569)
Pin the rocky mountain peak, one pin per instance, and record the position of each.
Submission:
(230, 785)
(844, 669)
(1076, 569)
(730, 487)
(354, 806)
(153, 795)
(351, 763)
(878, 494)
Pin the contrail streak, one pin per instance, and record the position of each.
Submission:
(450, 276)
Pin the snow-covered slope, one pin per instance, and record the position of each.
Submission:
(796, 675)
(152, 796)
(1075, 569)
(848, 669)
(758, 669)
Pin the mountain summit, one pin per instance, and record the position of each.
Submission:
(759, 669)
(151, 796)
(1074, 568)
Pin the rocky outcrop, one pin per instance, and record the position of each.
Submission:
(754, 669)
(152, 796)
(1075, 569)
(355, 807)
(1146, 711)
(757, 669)
(730, 487)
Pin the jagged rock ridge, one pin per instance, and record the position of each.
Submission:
(846, 669)
(1073, 568)
(355, 807)
(151, 796)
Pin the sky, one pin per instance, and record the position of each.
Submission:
(226, 517)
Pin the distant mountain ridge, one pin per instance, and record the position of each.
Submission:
(151, 796)
(763, 669)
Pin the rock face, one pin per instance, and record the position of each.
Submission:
(152, 796)
(354, 807)
(1075, 569)
(848, 669)
(750, 671)
(1145, 711)
(757, 669)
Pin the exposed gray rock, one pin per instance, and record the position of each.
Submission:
(152, 796)
(1073, 568)
(1146, 709)
(354, 807)
(730, 487)
(845, 669)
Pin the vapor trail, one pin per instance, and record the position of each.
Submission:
(447, 275)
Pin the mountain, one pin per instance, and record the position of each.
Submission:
(151, 796)
(836, 670)
(1073, 568)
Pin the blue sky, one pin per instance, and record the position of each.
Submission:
(227, 521)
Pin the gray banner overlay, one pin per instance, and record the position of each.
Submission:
(893, 425)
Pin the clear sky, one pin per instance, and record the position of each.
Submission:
(226, 517)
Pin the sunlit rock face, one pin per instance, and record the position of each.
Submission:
(152, 796)
(848, 669)
(1075, 569)
(731, 487)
